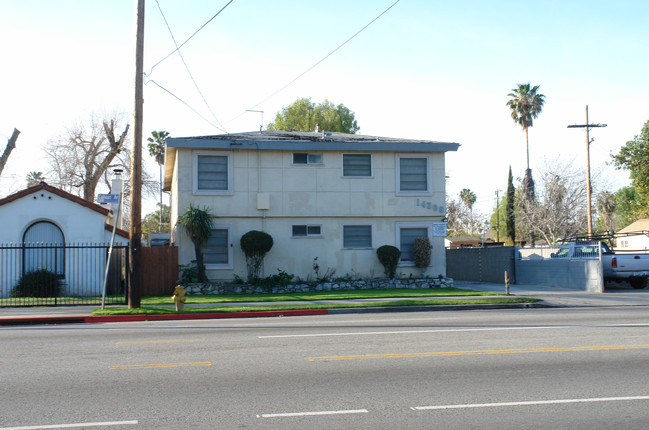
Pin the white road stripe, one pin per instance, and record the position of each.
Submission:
(530, 403)
(367, 333)
(306, 414)
(73, 425)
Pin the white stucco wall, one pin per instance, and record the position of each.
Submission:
(79, 225)
(312, 194)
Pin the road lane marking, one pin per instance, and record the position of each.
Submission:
(530, 403)
(158, 365)
(478, 352)
(307, 414)
(129, 342)
(370, 333)
(73, 425)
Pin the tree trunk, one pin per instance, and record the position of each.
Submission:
(527, 148)
(202, 277)
(11, 144)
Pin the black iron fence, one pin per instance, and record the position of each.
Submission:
(40, 274)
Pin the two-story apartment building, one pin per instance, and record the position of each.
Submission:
(334, 196)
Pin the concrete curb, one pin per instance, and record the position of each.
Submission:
(257, 314)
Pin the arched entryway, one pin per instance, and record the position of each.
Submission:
(44, 248)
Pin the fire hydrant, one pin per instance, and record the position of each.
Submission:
(179, 297)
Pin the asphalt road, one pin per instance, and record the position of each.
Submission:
(577, 368)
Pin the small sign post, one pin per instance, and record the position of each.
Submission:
(108, 198)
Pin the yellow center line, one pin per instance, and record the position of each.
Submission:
(159, 365)
(159, 341)
(478, 352)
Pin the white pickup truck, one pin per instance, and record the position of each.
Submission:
(633, 268)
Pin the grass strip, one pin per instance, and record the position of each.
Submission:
(319, 295)
(161, 310)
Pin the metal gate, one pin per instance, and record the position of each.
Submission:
(41, 274)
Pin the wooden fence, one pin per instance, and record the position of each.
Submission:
(159, 270)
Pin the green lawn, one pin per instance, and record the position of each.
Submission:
(439, 296)
(215, 309)
(319, 295)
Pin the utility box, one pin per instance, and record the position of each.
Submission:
(263, 201)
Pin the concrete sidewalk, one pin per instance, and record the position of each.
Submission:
(551, 297)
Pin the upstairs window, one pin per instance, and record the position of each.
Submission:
(413, 175)
(306, 158)
(212, 173)
(357, 165)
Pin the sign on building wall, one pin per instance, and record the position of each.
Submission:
(439, 229)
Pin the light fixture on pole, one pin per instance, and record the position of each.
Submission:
(588, 126)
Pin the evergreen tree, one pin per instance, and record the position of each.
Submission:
(510, 218)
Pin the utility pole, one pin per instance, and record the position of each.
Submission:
(589, 190)
(497, 216)
(135, 242)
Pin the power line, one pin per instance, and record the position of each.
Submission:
(320, 61)
(187, 67)
(185, 103)
(190, 37)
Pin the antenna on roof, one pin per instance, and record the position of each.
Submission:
(261, 126)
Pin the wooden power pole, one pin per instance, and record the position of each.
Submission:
(589, 190)
(135, 243)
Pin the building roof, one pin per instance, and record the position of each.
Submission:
(64, 194)
(640, 226)
(278, 140)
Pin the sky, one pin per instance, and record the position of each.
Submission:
(425, 69)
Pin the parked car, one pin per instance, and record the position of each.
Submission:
(633, 268)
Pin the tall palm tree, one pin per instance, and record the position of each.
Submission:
(157, 150)
(468, 197)
(526, 104)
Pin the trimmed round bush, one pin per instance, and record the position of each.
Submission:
(255, 244)
(38, 283)
(389, 257)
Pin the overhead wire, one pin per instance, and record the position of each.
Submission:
(222, 128)
(321, 60)
(183, 102)
(189, 38)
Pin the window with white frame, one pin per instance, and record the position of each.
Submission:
(306, 158)
(306, 231)
(414, 175)
(406, 235)
(357, 236)
(217, 252)
(212, 173)
(357, 165)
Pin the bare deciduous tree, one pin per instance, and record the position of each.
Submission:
(560, 208)
(86, 154)
(11, 144)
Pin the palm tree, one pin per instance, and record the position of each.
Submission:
(468, 197)
(157, 150)
(34, 178)
(198, 223)
(606, 205)
(526, 104)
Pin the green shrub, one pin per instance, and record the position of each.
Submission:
(255, 244)
(188, 273)
(38, 283)
(389, 257)
(422, 252)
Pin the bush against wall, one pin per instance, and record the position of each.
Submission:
(421, 250)
(389, 257)
(38, 283)
(255, 244)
